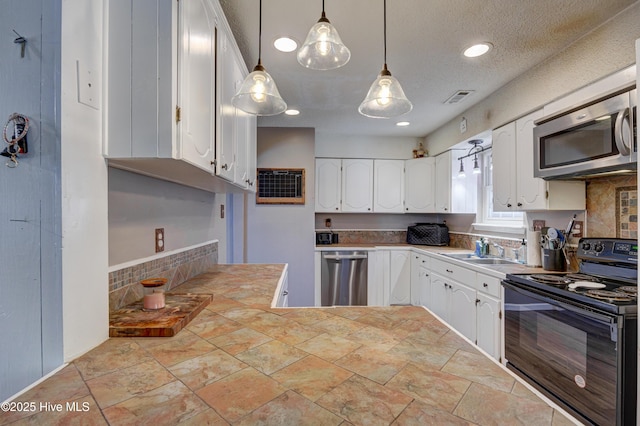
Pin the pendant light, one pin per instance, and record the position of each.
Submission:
(386, 98)
(323, 49)
(258, 93)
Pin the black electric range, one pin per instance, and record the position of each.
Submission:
(607, 278)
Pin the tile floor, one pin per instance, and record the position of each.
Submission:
(240, 362)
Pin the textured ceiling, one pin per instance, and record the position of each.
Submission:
(425, 40)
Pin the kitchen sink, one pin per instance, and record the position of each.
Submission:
(491, 261)
(486, 260)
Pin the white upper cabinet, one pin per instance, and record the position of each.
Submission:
(388, 186)
(514, 186)
(172, 70)
(419, 185)
(197, 101)
(328, 184)
(228, 75)
(357, 185)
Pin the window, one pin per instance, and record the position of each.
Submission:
(487, 218)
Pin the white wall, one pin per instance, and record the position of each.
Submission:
(285, 233)
(602, 52)
(84, 183)
(140, 204)
(353, 146)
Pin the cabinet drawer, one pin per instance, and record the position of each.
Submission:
(454, 272)
(488, 284)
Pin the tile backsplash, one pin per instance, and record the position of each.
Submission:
(124, 284)
(612, 207)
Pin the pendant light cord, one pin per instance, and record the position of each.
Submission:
(385, 33)
(260, 36)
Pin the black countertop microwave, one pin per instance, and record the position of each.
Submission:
(593, 138)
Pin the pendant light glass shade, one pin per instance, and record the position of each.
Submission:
(385, 98)
(258, 93)
(323, 49)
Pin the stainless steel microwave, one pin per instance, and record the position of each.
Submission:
(591, 139)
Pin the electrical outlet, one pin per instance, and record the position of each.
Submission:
(327, 222)
(159, 240)
(577, 230)
(221, 211)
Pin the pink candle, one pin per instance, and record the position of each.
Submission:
(153, 300)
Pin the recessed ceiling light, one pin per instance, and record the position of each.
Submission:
(292, 112)
(285, 44)
(402, 123)
(477, 50)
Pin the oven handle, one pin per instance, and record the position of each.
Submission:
(606, 319)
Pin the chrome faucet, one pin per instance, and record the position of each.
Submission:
(500, 250)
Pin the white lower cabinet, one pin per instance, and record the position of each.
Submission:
(468, 301)
(455, 304)
(488, 314)
(420, 280)
(399, 277)
(282, 300)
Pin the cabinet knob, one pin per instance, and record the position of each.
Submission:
(336, 208)
(284, 293)
(477, 301)
(407, 208)
(368, 208)
(519, 204)
(485, 285)
(449, 271)
(509, 205)
(213, 163)
(225, 166)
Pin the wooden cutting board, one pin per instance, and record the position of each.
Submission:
(180, 309)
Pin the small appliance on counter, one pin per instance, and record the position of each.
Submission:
(428, 234)
(326, 238)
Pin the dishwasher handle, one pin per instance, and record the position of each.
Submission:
(345, 256)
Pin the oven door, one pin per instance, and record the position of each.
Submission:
(567, 352)
(597, 138)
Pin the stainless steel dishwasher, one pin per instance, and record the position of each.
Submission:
(344, 278)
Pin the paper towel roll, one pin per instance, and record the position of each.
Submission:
(534, 256)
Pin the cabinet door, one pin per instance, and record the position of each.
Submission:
(419, 185)
(439, 297)
(399, 277)
(388, 186)
(242, 149)
(197, 57)
(531, 191)
(328, 184)
(226, 83)
(252, 152)
(488, 324)
(443, 182)
(462, 316)
(357, 185)
(504, 167)
(420, 280)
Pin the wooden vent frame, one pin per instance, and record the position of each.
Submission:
(280, 186)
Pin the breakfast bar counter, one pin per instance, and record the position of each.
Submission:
(240, 361)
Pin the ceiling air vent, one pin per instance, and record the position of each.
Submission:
(458, 96)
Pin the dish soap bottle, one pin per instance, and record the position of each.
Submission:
(521, 252)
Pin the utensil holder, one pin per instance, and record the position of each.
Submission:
(553, 260)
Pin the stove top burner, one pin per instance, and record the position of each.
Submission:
(581, 277)
(616, 296)
(550, 279)
(628, 289)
